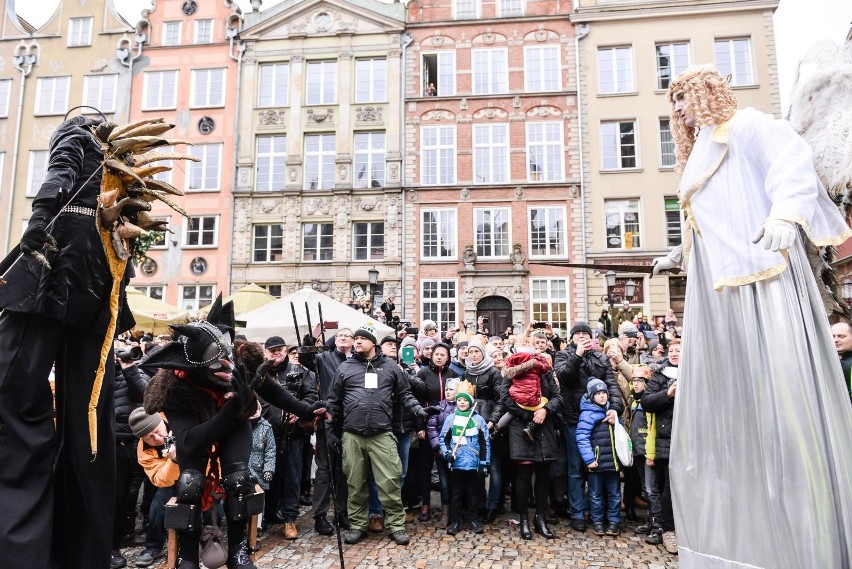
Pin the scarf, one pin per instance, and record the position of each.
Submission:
(486, 364)
(462, 422)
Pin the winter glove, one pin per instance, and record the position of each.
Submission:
(241, 394)
(670, 262)
(35, 235)
(426, 412)
(262, 371)
(316, 406)
(484, 469)
(448, 456)
(775, 234)
(267, 476)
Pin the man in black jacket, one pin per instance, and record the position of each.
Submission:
(574, 366)
(361, 407)
(842, 334)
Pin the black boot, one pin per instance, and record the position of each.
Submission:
(238, 558)
(490, 516)
(525, 528)
(646, 528)
(630, 513)
(454, 527)
(541, 527)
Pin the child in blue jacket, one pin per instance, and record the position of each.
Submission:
(596, 442)
(466, 446)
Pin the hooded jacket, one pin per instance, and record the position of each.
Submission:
(656, 401)
(129, 393)
(596, 439)
(476, 447)
(436, 422)
(573, 372)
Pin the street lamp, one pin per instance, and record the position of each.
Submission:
(610, 298)
(373, 279)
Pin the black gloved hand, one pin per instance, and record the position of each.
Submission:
(484, 469)
(262, 371)
(241, 394)
(448, 456)
(316, 406)
(35, 235)
(426, 412)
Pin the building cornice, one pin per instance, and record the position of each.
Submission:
(644, 9)
(479, 22)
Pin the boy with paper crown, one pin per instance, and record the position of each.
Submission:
(466, 446)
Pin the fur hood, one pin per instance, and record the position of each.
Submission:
(171, 395)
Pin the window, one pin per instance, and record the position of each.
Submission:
(322, 83)
(672, 60)
(274, 85)
(618, 141)
(208, 87)
(510, 8)
(5, 92)
(167, 175)
(196, 297)
(490, 153)
(201, 231)
(369, 160)
(151, 291)
(466, 9)
(36, 171)
(273, 289)
(270, 164)
(99, 92)
(319, 161)
(203, 31)
(317, 242)
(204, 176)
(544, 152)
(438, 228)
(622, 224)
(550, 304)
(52, 95)
(440, 301)
(171, 33)
(160, 89)
(667, 148)
(733, 57)
(369, 241)
(371, 80)
(492, 232)
(268, 243)
(673, 232)
(541, 68)
(79, 32)
(615, 70)
(547, 232)
(846, 289)
(160, 239)
(439, 74)
(438, 155)
(490, 71)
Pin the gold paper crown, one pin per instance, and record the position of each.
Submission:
(466, 387)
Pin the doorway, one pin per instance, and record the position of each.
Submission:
(498, 311)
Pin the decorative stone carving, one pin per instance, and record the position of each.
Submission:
(267, 206)
(340, 292)
(369, 114)
(394, 172)
(317, 206)
(412, 195)
(468, 296)
(517, 257)
(438, 115)
(367, 204)
(395, 53)
(488, 38)
(297, 58)
(320, 286)
(463, 104)
(341, 218)
(341, 173)
(574, 191)
(289, 288)
(490, 113)
(540, 33)
(393, 212)
(318, 117)
(438, 40)
(292, 174)
(516, 102)
(465, 193)
(243, 177)
(394, 39)
(271, 117)
(519, 192)
(241, 230)
(345, 55)
(469, 257)
(544, 111)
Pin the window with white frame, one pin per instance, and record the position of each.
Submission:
(846, 289)
(208, 87)
(204, 176)
(99, 92)
(491, 227)
(673, 218)
(165, 176)
(160, 239)
(271, 163)
(369, 163)
(667, 148)
(438, 231)
(201, 231)
(618, 144)
(317, 242)
(5, 93)
(547, 232)
(439, 74)
(672, 60)
(544, 152)
(371, 80)
(52, 95)
(160, 88)
(196, 297)
(273, 289)
(490, 153)
(80, 32)
(151, 291)
(273, 85)
(322, 83)
(550, 303)
(36, 171)
(171, 33)
(440, 302)
(268, 244)
(509, 8)
(622, 224)
(615, 70)
(733, 57)
(369, 240)
(541, 68)
(2, 166)
(466, 9)
(320, 151)
(438, 155)
(490, 71)
(203, 31)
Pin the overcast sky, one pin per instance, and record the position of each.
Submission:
(798, 25)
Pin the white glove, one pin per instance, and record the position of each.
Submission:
(775, 234)
(667, 263)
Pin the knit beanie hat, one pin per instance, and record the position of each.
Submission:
(141, 423)
(426, 343)
(367, 331)
(594, 386)
(580, 327)
(476, 344)
(652, 344)
(408, 341)
(465, 395)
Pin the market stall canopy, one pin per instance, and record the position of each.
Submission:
(276, 318)
(246, 299)
(152, 315)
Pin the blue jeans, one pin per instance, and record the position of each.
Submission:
(403, 446)
(576, 480)
(156, 535)
(600, 482)
(291, 478)
(495, 481)
(443, 479)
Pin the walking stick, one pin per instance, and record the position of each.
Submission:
(458, 442)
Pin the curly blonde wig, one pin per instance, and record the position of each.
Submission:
(707, 97)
